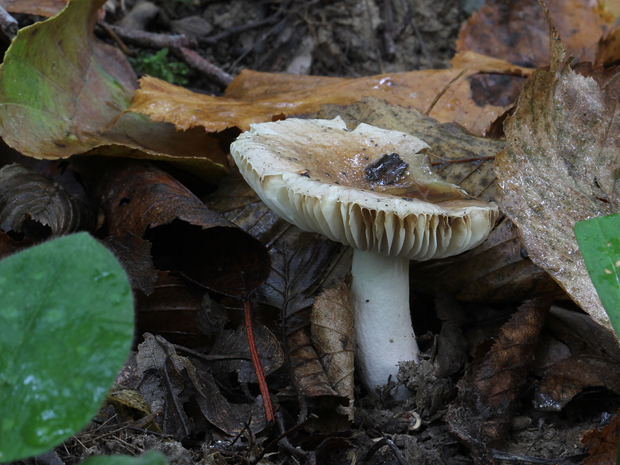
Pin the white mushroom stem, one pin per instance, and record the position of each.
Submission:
(383, 330)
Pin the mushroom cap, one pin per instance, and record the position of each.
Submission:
(314, 174)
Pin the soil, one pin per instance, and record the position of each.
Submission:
(347, 38)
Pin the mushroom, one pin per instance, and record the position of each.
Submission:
(374, 190)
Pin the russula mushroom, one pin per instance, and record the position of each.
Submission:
(374, 190)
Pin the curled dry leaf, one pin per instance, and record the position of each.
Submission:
(558, 167)
(507, 30)
(71, 102)
(497, 271)
(45, 8)
(333, 339)
(37, 208)
(255, 97)
(488, 392)
(187, 237)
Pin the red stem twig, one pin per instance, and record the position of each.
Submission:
(258, 367)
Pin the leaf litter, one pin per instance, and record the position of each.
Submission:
(194, 395)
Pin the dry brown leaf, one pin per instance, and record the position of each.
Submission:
(497, 271)
(577, 354)
(488, 392)
(602, 444)
(609, 48)
(255, 97)
(187, 237)
(517, 31)
(562, 150)
(45, 8)
(333, 338)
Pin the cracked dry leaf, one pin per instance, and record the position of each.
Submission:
(458, 156)
(488, 393)
(333, 338)
(560, 166)
(37, 207)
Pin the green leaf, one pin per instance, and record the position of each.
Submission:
(599, 242)
(150, 458)
(66, 327)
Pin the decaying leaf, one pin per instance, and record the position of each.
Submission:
(488, 392)
(135, 256)
(333, 339)
(57, 101)
(497, 271)
(171, 310)
(509, 30)
(457, 155)
(578, 354)
(187, 237)
(608, 51)
(560, 166)
(452, 347)
(602, 443)
(38, 208)
(255, 97)
(170, 382)
(236, 343)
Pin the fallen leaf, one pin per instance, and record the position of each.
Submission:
(577, 354)
(517, 31)
(236, 343)
(61, 90)
(45, 8)
(562, 150)
(170, 310)
(134, 254)
(608, 51)
(497, 271)
(602, 444)
(333, 338)
(255, 97)
(35, 207)
(187, 237)
(489, 391)
(452, 346)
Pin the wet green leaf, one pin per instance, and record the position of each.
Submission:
(599, 242)
(66, 327)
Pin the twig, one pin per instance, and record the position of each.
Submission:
(258, 367)
(8, 24)
(422, 44)
(388, 30)
(443, 91)
(283, 435)
(117, 39)
(204, 66)
(150, 39)
(378, 51)
(209, 358)
(462, 160)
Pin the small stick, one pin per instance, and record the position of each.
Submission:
(204, 66)
(8, 24)
(462, 160)
(258, 367)
(443, 91)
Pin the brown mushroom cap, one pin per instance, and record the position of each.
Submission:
(314, 174)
